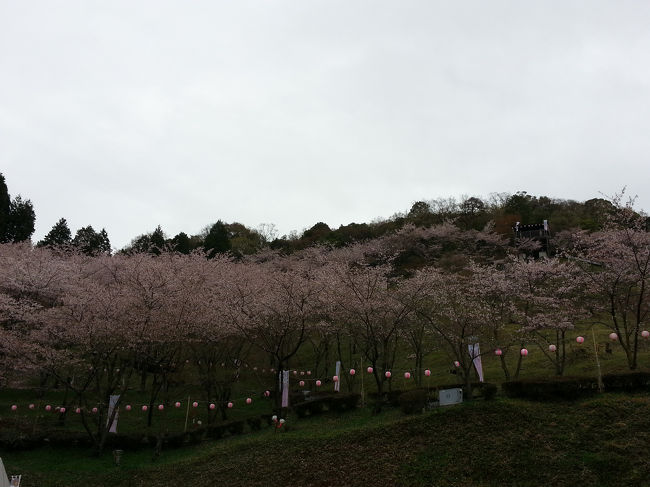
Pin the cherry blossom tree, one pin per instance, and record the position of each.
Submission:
(616, 265)
(365, 297)
(276, 302)
(550, 295)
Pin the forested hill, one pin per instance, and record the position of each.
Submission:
(503, 210)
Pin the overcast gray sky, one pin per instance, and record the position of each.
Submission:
(130, 114)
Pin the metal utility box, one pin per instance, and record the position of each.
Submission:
(450, 396)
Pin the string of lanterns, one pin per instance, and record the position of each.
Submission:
(249, 400)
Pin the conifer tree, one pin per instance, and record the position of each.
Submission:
(58, 236)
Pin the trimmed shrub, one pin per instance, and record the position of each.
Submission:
(197, 435)
(413, 401)
(235, 427)
(316, 406)
(627, 382)
(255, 424)
(563, 388)
(486, 390)
(215, 431)
(301, 409)
(341, 402)
(175, 440)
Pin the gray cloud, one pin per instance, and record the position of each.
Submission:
(132, 114)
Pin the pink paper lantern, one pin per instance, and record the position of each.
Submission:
(335, 378)
(407, 375)
(78, 410)
(552, 348)
(302, 383)
(14, 407)
(249, 400)
(144, 408)
(318, 383)
(230, 405)
(613, 337)
(195, 404)
(498, 352)
(272, 371)
(31, 406)
(352, 371)
(295, 372)
(177, 404)
(128, 407)
(48, 408)
(302, 372)
(95, 410)
(645, 334)
(267, 393)
(212, 406)
(456, 363)
(309, 372)
(427, 372)
(580, 340)
(161, 407)
(255, 369)
(523, 352)
(369, 369)
(388, 374)
(62, 410)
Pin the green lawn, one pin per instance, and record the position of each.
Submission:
(601, 441)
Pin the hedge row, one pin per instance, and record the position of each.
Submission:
(571, 388)
(416, 400)
(331, 402)
(13, 440)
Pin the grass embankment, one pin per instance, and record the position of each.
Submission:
(603, 441)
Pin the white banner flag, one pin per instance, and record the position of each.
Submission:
(337, 384)
(111, 406)
(285, 388)
(475, 353)
(4, 481)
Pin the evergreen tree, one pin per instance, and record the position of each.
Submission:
(157, 241)
(217, 240)
(59, 236)
(90, 242)
(21, 220)
(181, 243)
(5, 201)
(104, 244)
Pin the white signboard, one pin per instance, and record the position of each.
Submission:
(447, 397)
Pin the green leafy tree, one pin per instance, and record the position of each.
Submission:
(217, 240)
(59, 236)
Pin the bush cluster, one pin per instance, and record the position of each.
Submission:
(564, 388)
(331, 402)
(627, 382)
(413, 401)
(571, 388)
(15, 440)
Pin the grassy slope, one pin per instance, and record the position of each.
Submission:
(602, 441)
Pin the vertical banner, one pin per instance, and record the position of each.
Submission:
(337, 384)
(111, 406)
(4, 481)
(285, 388)
(475, 353)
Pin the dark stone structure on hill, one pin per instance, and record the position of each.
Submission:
(538, 232)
